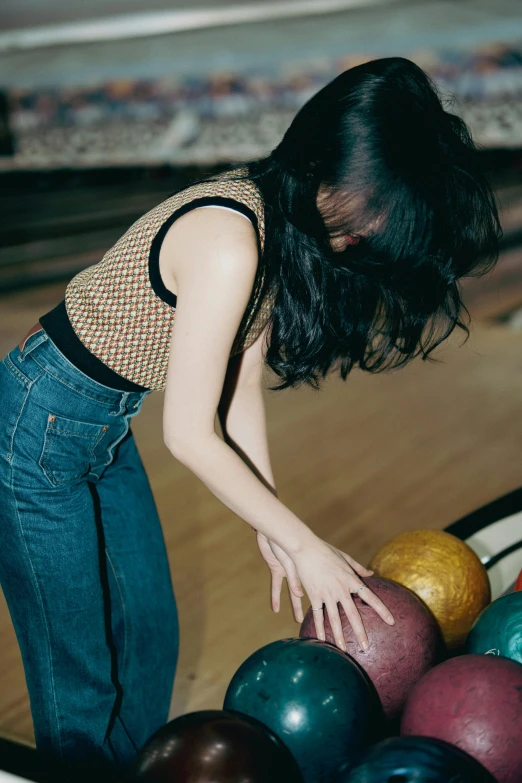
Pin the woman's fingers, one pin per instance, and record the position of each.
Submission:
(282, 566)
(264, 548)
(354, 618)
(294, 583)
(371, 599)
(297, 606)
(319, 622)
(276, 571)
(357, 567)
(295, 589)
(288, 564)
(277, 583)
(336, 625)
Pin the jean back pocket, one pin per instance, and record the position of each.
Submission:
(70, 448)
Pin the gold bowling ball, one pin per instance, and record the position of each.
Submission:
(444, 572)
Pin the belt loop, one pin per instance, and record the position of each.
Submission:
(123, 405)
(33, 330)
(30, 342)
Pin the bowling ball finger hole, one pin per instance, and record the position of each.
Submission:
(397, 779)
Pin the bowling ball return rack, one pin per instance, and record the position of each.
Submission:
(493, 532)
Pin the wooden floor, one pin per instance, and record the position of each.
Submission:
(359, 462)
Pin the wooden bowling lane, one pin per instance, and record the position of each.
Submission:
(359, 462)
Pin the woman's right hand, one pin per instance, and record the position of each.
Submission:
(330, 578)
(281, 567)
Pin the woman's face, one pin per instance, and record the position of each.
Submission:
(338, 241)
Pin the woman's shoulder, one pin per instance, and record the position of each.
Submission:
(232, 185)
(219, 237)
(229, 189)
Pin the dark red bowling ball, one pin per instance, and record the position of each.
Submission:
(474, 702)
(215, 746)
(400, 654)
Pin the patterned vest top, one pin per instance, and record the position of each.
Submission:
(120, 309)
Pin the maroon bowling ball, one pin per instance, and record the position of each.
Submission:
(399, 654)
(215, 746)
(474, 702)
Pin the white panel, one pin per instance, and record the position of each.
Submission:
(503, 574)
(497, 536)
(6, 777)
(493, 539)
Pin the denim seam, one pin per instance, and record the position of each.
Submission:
(9, 455)
(40, 461)
(110, 450)
(53, 481)
(124, 612)
(28, 386)
(42, 609)
(91, 380)
(13, 369)
(104, 388)
(74, 389)
(77, 435)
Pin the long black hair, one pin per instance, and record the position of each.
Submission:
(375, 207)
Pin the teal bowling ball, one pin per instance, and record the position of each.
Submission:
(417, 760)
(498, 629)
(312, 696)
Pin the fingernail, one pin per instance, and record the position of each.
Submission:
(391, 620)
(365, 646)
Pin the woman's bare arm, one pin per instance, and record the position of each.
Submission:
(242, 417)
(213, 263)
(241, 410)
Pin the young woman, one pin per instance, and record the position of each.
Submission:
(342, 248)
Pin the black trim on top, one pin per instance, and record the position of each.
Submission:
(59, 328)
(57, 325)
(156, 282)
(498, 509)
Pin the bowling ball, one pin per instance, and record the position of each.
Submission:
(417, 760)
(498, 629)
(474, 702)
(399, 654)
(313, 697)
(214, 746)
(444, 572)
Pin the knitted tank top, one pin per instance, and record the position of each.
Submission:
(120, 309)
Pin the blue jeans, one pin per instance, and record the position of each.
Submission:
(83, 564)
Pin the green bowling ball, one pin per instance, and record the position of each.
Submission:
(316, 699)
(498, 629)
